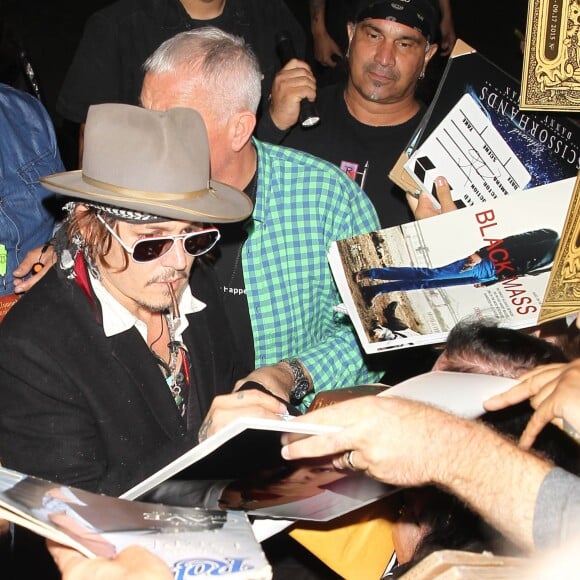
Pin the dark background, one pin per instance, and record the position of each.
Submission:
(50, 30)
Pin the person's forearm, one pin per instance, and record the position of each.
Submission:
(492, 475)
(407, 443)
(317, 13)
(445, 8)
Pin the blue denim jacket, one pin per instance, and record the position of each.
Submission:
(28, 151)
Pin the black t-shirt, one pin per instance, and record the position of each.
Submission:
(107, 66)
(228, 266)
(363, 152)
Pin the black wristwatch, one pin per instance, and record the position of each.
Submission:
(301, 384)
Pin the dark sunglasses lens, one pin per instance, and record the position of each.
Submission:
(147, 250)
(199, 243)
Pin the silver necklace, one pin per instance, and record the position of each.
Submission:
(174, 356)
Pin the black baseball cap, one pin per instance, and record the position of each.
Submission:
(422, 15)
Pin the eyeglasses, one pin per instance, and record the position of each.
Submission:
(148, 249)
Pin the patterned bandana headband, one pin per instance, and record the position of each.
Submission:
(418, 14)
(126, 215)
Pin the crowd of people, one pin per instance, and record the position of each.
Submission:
(187, 257)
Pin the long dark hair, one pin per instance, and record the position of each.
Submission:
(89, 234)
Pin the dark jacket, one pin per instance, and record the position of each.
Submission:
(522, 254)
(95, 412)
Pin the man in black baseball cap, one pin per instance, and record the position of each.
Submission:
(367, 122)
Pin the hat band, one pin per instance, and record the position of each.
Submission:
(402, 13)
(146, 195)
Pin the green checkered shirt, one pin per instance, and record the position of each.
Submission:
(302, 205)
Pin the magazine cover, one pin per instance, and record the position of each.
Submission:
(551, 70)
(547, 144)
(192, 541)
(410, 284)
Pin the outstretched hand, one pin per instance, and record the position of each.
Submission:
(554, 392)
(423, 207)
(326, 51)
(373, 440)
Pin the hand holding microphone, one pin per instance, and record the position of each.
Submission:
(289, 82)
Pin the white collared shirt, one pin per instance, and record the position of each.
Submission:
(117, 319)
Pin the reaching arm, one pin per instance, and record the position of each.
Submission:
(326, 51)
(447, 27)
(407, 443)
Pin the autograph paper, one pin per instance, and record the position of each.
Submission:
(469, 151)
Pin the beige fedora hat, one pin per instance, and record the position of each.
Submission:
(150, 162)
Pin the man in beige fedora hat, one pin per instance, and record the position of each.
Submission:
(278, 289)
(110, 363)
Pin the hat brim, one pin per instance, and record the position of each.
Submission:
(219, 203)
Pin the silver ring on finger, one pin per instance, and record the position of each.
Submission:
(349, 462)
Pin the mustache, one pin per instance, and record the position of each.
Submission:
(169, 275)
(384, 71)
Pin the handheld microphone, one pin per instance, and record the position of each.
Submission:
(285, 49)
